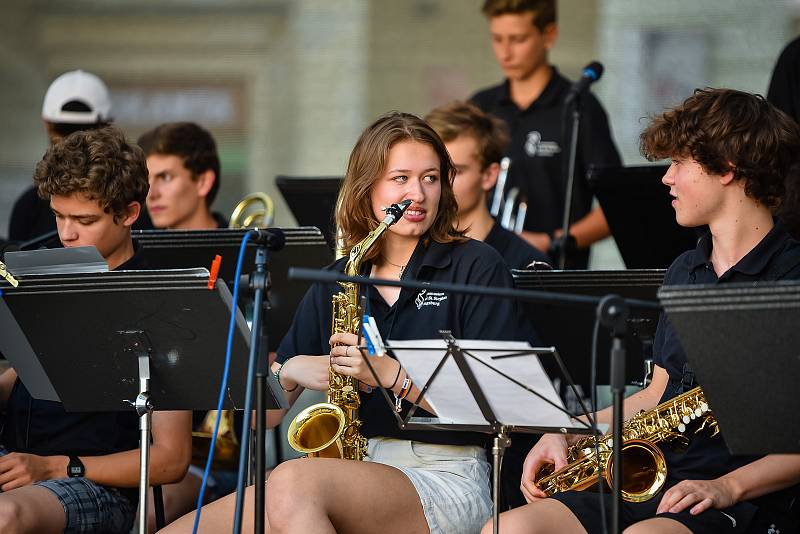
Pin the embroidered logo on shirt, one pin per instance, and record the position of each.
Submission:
(534, 146)
(429, 298)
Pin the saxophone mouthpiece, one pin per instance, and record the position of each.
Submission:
(395, 211)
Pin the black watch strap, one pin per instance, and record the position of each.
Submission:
(75, 467)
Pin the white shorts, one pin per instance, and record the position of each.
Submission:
(452, 481)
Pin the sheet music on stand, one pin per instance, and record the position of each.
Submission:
(514, 406)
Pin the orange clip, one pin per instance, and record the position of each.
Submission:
(212, 277)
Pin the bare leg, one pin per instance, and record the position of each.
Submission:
(328, 495)
(658, 525)
(179, 499)
(31, 509)
(544, 516)
(216, 516)
(313, 495)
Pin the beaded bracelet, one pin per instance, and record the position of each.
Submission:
(277, 375)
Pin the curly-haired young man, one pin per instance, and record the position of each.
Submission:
(732, 155)
(78, 472)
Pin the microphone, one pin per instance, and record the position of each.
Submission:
(273, 238)
(591, 73)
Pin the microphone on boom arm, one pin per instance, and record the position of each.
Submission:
(591, 73)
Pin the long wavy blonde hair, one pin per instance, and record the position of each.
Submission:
(354, 215)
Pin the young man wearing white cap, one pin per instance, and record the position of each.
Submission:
(75, 101)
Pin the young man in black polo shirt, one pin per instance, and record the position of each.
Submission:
(531, 102)
(476, 142)
(732, 154)
(183, 168)
(78, 472)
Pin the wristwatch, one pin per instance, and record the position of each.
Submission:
(75, 467)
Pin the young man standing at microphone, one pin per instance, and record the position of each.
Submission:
(531, 101)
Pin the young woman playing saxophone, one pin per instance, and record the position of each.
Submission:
(410, 481)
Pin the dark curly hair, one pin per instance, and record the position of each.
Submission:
(100, 164)
(727, 130)
(190, 142)
(462, 118)
(354, 216)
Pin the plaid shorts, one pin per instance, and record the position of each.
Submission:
(90, 507)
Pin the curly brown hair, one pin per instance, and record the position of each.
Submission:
(544, 11)
(727, 130)
(462, 118)
(100, 164)
(190, 142)
(354, 216)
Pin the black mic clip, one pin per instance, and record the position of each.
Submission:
(271, 238)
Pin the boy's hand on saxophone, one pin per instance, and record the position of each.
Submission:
(550, 449)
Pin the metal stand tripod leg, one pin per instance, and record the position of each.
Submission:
(144, 409)
(501, 441)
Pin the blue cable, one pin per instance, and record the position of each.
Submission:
(224, 385)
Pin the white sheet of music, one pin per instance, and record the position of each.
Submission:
(452, 399)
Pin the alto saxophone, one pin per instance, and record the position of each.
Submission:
(332, 429)
(644, 465)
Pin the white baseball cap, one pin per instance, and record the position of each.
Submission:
(77, 86)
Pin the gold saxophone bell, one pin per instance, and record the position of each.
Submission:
(255, 210)
(320, 439)
(645, 470)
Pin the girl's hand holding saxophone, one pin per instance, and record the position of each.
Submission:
(346, 359)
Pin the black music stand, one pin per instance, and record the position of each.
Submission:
(146, 339)
(312, 201)
(742, 342)
(639, 212)
(557, 324)
(181, 249)
(486, 388)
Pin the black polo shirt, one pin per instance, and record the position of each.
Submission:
(538, 146)
(776, 257)
(31, 217)
(417, 314)
(516, 252)
(44, 428)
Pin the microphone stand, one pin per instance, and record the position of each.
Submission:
(613, 312)
(572, 105)
(257, 370)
